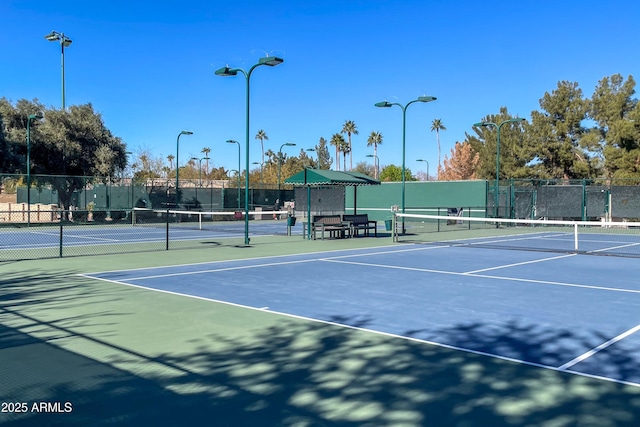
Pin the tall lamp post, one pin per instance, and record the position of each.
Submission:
(184, 132)
(498, 127)
(375, 161)
(427, 162)
(310, 150)
(30, 118)
(238, 175)
(260, 164)
(232, 141)
(64, 41)
(200, 168)
(386, 104)
(287, 144)
(270, 61)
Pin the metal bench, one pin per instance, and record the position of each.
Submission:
(361, 222)
(332, 224)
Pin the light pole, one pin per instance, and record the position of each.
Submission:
(64, 41)
(31, 117)
(200, 168)
(184, 132)
(233, 141)
(270, 61)
(287, 144)
(260, 164)
(310, 150)
(498, 126)
(238, 175)
(427, 162)
(386, 104)
(375, 162)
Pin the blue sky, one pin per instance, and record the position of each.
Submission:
(148, 67)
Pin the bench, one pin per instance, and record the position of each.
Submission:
(330, 223)
(361, 222)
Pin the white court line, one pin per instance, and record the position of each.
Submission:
(216, 270)
(613, 247)
(601, 347)
(265, 257)
(485, 276)
(520, 263)
(386, 334)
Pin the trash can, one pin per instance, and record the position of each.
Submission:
(387, 224)
(291, 221)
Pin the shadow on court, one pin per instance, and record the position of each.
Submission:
(61, 341)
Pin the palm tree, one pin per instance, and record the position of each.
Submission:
(345, 150)
(437, 125)
(350, 128)
(206, 151)
(262, 135)
(338, 141)
(171, 158)
(375, 139)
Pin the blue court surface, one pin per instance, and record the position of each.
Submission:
(566, 312)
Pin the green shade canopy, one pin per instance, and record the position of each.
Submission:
(318, 177)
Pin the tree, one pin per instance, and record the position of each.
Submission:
(171, 158)
(375, 139)
(616, 140)
(516, 152)
(437, 126)
(262, 136)
(365, 168)
(349, 128)
(322, 153)
(462, 164)
(393, 173)
(338, 141)
(555, 135)
(67, 146)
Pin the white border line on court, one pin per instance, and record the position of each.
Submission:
(274, 256)
(486, 276)
(601, 347)
(387, 334)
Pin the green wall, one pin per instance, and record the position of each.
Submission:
(423, 197)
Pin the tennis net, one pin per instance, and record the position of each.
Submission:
(589, 237)
(263, 222)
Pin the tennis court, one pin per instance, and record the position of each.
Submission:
(340, 332)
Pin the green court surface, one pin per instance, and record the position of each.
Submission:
(101, 354)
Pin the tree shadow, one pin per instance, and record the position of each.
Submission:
(278, 371)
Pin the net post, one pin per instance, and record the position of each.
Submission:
(199, 220)
(575, 236)
(394, 235)
(167, 233)
(64, 213)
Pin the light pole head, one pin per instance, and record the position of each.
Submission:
(37, 116)
(55, 36)
(232, 141)
(271, 61)
(290, 144)
(186, 132)
(517, 120)
(383, 104)
(426, 98)
(226, 71)
(482, 124)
